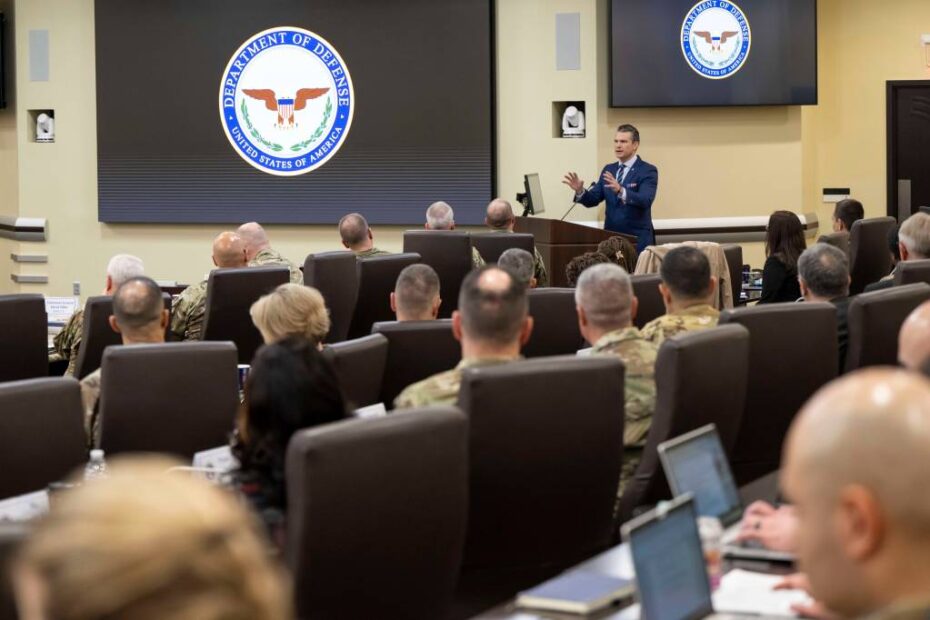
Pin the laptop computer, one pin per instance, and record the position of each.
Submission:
(671, 576)
(696, 463)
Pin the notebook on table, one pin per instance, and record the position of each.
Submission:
(576, 592)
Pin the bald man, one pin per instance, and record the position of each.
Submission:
(357, 236)
(229, 251)
(500, 218)
(260, 253)
(914, 340)
(440, 216)
(855, 468)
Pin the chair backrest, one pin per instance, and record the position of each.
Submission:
(41, 433)
(546, 451)
(178, 398)
(377, 277)
(12, 535)
(449, 253)
(869, 257)
(359, 365)
(376, 515)
(690, 394)
(230, 294)
(734, 256)
(651, 306)
(335, 275)
(839, 240)
(874, 322)
(23, 337)
(912, 272)
(492, 244)
(555, 323)
(792, 353)
(416, 350)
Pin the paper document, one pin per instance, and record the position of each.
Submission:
(746, 592)
(371, 411)
(24, 507)
(60, 309)
(220, 459)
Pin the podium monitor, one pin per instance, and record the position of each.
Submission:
(532, 199)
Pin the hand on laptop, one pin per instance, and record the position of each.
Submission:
(774, 528)
(816, 610)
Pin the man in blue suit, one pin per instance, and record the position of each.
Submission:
(628, 185)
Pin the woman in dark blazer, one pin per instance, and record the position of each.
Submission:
(784, 243)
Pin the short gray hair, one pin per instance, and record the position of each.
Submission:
(519, 263)
(605, 293)
(825, 270)
(416, 288)
(915, 234)
(353, 228)
(439, 216)
(124, 267)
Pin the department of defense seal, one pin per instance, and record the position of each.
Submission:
(715, 39)
(286, 101)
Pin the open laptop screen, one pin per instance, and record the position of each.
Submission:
(670, 572)
(695, 463)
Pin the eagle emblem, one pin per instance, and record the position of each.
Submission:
(285, 107)
(716, 41)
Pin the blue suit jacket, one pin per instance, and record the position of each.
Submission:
(634, 217)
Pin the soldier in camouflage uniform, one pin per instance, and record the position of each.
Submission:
(488, 297)
(604, 296)
(67, 342)
(356, 236)
(187, 315)
(260, 253)
(500, 218)
(688, 289)
(439, 216)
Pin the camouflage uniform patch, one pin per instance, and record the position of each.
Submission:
(271, 258)
(68, 341)
(372, 251)
(90, 396)
(688, 320)
(443, 388)
(477, 262)
(188, 312)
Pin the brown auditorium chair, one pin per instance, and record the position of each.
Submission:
(359, 366)
(839, 240)
(97, 334)
(178, 398)
(492, 244)
(416, 350)
(23, 337)
(449, 253)
(691, 393)
(376, 515)
(734, 256)
(869, 259)
(545, 454)
(555, 323)
(792, 354)
(874, 322)
(11, 536)
(230, 294)
(912, 272)
(41, 433)
(377, 276)
(651, 306)
(335, 275)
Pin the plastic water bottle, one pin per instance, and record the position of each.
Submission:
(96, 468)
(711, 532)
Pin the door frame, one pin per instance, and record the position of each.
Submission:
(891, 92)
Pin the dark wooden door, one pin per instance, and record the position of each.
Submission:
(908, 147)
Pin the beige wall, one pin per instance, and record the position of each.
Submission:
(713, 162)
(9, 166)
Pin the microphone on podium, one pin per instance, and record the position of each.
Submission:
(575, 201)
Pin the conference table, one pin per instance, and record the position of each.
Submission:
(610, 562)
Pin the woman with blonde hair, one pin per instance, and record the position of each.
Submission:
(143, 544)
(291, 310)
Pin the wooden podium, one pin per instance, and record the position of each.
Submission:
(559, 242)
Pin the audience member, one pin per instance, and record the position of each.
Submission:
(823, 273)
(519, 263)
(688, 290)
(290, 387)
(620, 252)
(260, 253)
(606, 309)
(67, 342)
(492, 323)
(187, 315)
(145, 544)
(500, 218)
(853, 466)
(846, 213)
(439, 216)
(416, 294)
(784, 242)
(357, 237)
(291, 310)
(577, 265)
(913, 244)
(139, 317)
(914, 339)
